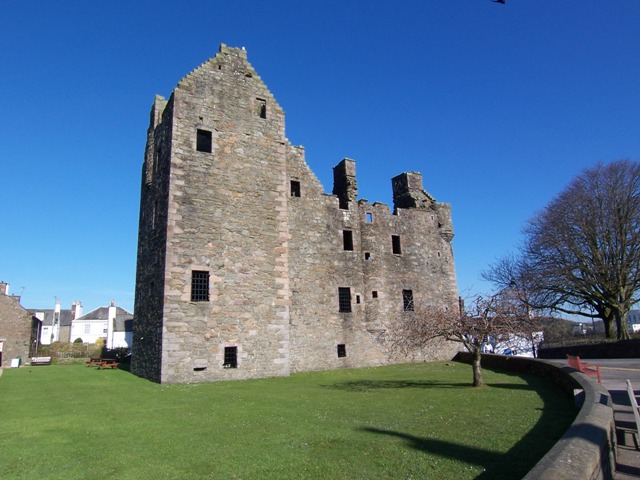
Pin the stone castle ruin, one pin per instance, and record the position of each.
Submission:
(246, 267)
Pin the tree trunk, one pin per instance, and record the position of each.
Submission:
(477, 368)
(621, 325)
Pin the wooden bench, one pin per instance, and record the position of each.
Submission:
(636, 412)
(587, 369)
(94, 361)
(40, 360)
(108, 362)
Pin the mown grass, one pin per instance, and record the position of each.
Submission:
(398, 422)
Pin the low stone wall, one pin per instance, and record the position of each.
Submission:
(619, 349)
(587, 449)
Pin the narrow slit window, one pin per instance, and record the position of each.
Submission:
(199, 286)
(369, 217)
(261, 106)
(395, 244)
(367, 256)
(347, 239)
(358, 299)
(344, 299)
(204, 141)
(295, 188)
(374, 294)
(230, 357)
(407, 300)
(342, 350)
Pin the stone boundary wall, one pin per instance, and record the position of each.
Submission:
(587, 449)
(612, 349)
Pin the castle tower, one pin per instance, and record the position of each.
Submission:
(245, 267)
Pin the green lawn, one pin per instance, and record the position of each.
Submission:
(420, 421)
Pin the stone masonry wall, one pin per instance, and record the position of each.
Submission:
(16, 324)
(251, 215)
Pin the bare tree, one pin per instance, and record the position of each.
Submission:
(581, 254)
(495, 317)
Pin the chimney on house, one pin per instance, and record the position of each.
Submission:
(111, 324)
(76, 309)
(4, 288)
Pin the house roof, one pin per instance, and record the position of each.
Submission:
(65, 316)
(124, 319)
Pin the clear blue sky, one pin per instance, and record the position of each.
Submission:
(499, 107)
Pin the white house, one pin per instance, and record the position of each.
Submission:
(112, 323)
(56, 322)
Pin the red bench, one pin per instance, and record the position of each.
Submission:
(108, 362)
(587, 369)
(94, 361)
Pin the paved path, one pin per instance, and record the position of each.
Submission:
(614, 373)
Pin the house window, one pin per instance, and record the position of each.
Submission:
(407, 300)
(374, 294)
(295, 188)
(342, 350)
(203, 141)
(87, 328)
(344, 299)
(369, 217)
(199, 286)
(261, 107)
(230, 357)
(347, 239)
(104, 330)
(395, 244)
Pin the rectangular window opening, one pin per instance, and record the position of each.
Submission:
(230, 357)
(295, 188)
(261, 107)
(199, 286)
(374, 294)
(358, 299)
(343, 203)
(199, 369)
(204, 141)
(395, 244)
(367, 256)
(344, 299)
(87, 328)
(407, 300)
(347, 239)
(342, 350)
(369, 217)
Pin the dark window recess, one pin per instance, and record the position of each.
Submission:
(230, 357)
(407, 300)
(347, 239)
(199, 286)
(203, 141)
(395, 244)
(344, 299)
(357, 299)
(342, 350)
(367, 256)
(199, 369)
(369, 217)
(343, 203)
(261, 107)
(374, 294)
(295, 188)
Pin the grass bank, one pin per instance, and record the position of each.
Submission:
(420, 421)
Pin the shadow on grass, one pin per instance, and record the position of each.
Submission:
(515, 463)
(367, 385)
